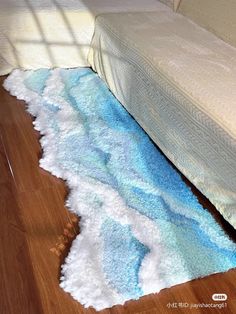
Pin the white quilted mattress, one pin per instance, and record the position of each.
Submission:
(179, 83)
(50, 33)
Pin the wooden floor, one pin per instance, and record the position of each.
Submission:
(36, 232)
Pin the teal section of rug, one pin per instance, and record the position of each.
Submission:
(122, 266)
(142, 229)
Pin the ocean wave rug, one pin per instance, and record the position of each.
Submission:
(142, 229)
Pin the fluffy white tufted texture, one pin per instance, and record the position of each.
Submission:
(90, 287)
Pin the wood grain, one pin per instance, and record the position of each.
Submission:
(17, 295)
(37, 230)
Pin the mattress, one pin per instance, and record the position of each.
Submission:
(179, 82)
(54, 33)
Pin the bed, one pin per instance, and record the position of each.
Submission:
(54, 33)
(179, 82)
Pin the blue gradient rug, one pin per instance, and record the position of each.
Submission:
(142, 229)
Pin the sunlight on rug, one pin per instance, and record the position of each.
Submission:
(142, 229)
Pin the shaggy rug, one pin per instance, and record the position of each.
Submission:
(142, 229)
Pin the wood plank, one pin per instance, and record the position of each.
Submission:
(18, 288)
